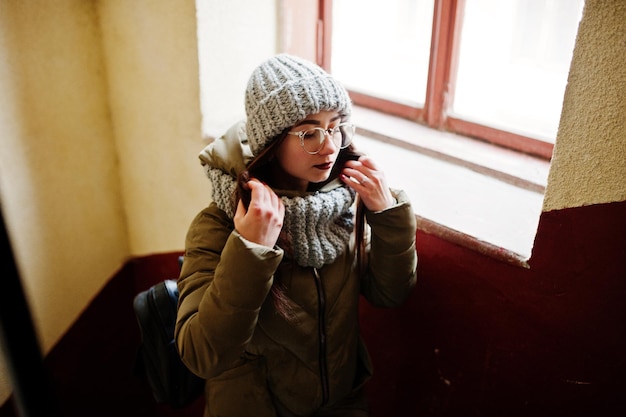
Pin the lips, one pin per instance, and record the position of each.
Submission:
(325, 166)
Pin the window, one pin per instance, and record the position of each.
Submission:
(491, 69)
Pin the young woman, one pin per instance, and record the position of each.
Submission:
(275, 266)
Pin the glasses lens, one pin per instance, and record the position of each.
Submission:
(344, 134)
(313, 139)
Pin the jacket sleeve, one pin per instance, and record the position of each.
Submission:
(223, 283)
(392, 257)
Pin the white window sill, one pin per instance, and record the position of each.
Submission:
(472, 193)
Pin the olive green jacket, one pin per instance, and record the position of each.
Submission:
(258, 362)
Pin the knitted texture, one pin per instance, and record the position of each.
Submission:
(285, 90)
(316, 227)
(319, 225)
(222, 190)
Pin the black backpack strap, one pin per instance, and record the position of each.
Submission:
(170, 380)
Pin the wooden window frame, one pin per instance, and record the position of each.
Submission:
(447, 18)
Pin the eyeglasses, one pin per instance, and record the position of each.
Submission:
(312, 140)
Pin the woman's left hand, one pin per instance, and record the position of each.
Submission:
(369, 182)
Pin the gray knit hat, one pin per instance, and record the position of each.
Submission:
(283, 91)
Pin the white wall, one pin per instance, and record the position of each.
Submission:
(233, 38)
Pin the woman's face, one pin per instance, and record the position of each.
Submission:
(300, 168)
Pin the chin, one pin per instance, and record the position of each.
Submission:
(320, 178)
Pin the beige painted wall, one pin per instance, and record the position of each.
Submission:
(58, 166)
(589, 162)
(150, 58)
(100, 127)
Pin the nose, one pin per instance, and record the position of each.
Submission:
(328, 147)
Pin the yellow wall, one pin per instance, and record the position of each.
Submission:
(150, 58)
(59, 172)
(100, 128)
(589, 162)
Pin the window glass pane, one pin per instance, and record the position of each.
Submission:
(513, 63)
(382, 48)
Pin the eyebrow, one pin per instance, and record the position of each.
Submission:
(317, 122)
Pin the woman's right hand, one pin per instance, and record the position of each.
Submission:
(263, 220)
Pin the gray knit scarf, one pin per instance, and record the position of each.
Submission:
(316, 228)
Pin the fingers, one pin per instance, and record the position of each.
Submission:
(264, 198)
(364, 164)
(263, 220)
(368, 162)
(363, 172)
(369, 182)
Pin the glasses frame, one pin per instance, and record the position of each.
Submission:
(325, 132)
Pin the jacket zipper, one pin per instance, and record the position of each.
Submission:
(322, 337)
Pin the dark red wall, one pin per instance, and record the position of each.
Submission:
(92, 368)
(478, 337)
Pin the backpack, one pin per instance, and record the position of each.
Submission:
(170, 380)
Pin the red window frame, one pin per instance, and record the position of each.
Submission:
(441, 75)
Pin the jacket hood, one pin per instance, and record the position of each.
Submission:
(230, 153)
